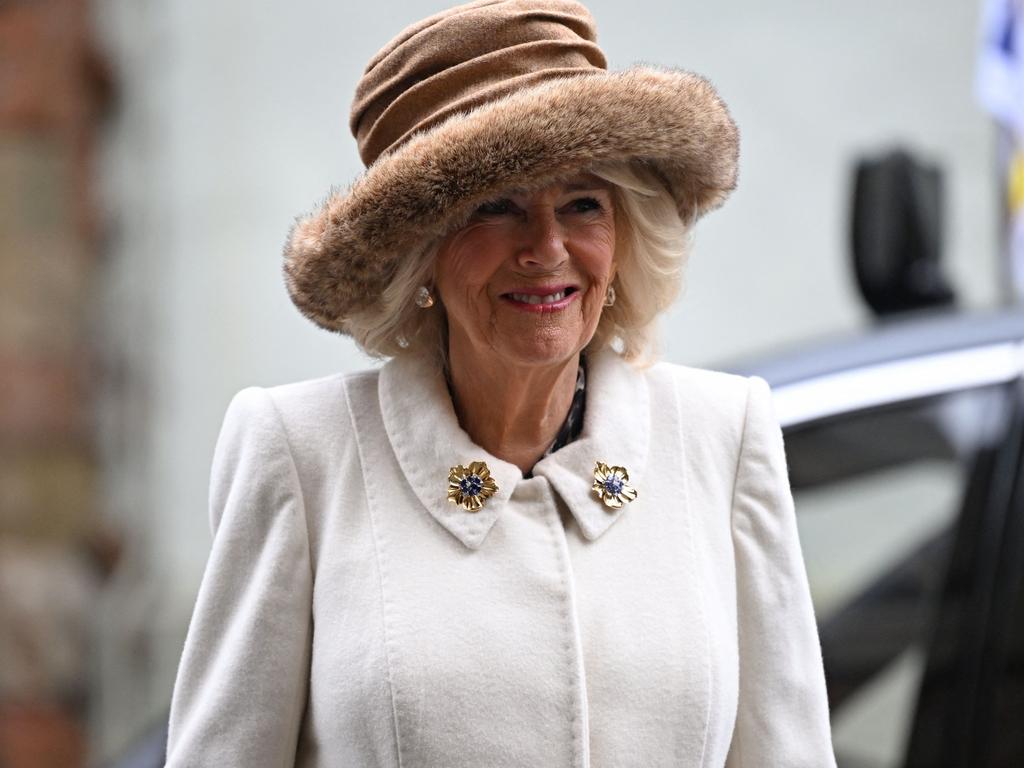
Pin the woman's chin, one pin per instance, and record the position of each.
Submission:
(548, 350)
(521, 340)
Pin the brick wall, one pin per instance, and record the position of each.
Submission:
(54, 547)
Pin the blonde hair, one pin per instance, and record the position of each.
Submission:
(651, 250)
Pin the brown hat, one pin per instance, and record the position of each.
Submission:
(487, 95)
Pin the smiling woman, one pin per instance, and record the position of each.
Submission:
(651, 246)
(523, 284)
(519, 542)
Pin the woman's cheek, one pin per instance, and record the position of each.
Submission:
(595, 302)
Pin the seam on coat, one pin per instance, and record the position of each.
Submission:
(380, 570)
(696, 576)
(739, 453)
(732, 523)
(301, 706)
(577, 674)
(295, 477)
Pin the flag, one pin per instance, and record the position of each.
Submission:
(999, 87)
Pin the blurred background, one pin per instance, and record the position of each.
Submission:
(154, 154)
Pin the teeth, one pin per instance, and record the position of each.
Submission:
(551, 298)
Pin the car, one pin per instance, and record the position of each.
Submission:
(904, 450)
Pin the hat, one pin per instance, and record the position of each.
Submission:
(481, 97)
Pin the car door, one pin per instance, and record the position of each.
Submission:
(910, 522)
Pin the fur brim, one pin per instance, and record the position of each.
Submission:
(339, 258)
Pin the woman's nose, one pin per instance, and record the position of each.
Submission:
(544, 243)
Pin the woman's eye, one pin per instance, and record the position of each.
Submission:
(584, 204)
(495, 208)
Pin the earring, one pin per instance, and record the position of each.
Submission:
(424, 298)
(609, 297)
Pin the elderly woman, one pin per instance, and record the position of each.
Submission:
(518, 543)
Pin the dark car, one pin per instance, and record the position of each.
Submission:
(904, 448)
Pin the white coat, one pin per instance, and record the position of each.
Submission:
(351, 616)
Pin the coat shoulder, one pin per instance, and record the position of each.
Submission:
(310, 399)
(712, 404)
(712, 407)
(315, 413)
(702, 389)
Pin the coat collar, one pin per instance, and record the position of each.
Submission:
(427, 441)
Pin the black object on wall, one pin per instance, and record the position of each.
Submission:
(896, 234)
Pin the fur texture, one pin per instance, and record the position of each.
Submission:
(340, 257)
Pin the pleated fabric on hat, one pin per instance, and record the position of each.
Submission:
(466, 56)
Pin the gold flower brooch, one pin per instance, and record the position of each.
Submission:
(471, 486)
(611, 484)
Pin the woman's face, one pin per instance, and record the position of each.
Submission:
(526, 278)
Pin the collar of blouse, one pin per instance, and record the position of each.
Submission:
(427, 440)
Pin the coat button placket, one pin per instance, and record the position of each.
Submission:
(573, 646)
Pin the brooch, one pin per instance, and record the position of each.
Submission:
(611, 484)
(470, 487)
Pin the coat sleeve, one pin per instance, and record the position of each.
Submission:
(242, 682)
(782, 716)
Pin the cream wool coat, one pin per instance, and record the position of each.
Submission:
(350, 616)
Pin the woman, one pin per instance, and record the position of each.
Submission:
(515, 544)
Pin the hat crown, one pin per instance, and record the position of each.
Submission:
(464, 57)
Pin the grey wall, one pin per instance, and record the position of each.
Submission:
(234, 120)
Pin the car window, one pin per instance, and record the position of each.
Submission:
(879, 497)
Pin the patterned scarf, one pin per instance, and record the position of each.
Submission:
(573, 424)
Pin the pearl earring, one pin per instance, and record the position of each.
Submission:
(424, 298)
(609, 297)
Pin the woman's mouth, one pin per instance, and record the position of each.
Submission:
(542, 300)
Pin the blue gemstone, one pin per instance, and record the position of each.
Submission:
(613, 485)
(471, 485)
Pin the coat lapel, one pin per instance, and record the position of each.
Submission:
(427, 441)
(616, 431)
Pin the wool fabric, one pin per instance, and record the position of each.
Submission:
(351, 616)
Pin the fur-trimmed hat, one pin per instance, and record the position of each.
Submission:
(481, 97)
